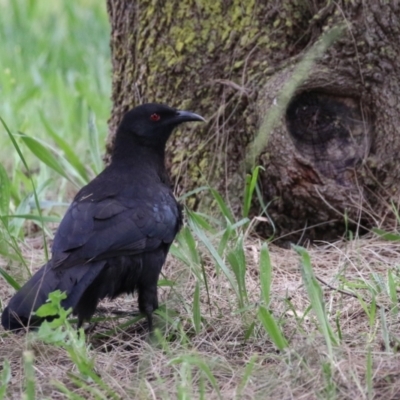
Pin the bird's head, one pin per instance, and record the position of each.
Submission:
(153, 123)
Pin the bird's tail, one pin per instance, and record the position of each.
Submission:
(73, 280)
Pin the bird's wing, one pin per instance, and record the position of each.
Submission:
(94, 229)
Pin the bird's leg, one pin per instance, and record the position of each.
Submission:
(148, 302)
(79, 324)
(149, 316)
(89, 329)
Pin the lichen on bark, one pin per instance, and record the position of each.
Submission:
(228, 61)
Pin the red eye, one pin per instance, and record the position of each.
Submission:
(154, 117)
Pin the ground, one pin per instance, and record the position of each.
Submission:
(365, 364)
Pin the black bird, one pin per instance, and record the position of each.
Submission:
(115, 236)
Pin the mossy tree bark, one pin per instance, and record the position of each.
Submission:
(333, 156)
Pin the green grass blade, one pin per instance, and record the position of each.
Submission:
(246, 376)
(369, 375)
(196, 309)
(393, 293)
(201, 221)
(272, 328)
(226, 212)
(188, 241)
(70, 395)
(94, 145)
(5, 194)
(44, 155)
(213, 251)
(201, 365)
(250, 186)
(391, 237)
(237, 260)
(69, 152)
(22, 158)
(315, 295)
(249, 331)
(9, 279)
(38, 218)
(29, 393)
(365, 306)
(5, 378)
(192, 192)
(385, 330)
(265, 274)
(23, 208)
(227, 233)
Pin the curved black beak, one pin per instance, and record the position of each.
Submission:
(184, 116)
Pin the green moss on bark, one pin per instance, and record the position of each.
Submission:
(227, 61)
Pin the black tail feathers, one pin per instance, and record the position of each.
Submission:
(74, 281)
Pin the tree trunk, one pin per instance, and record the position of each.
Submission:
(331, 159)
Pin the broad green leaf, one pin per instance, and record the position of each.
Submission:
(47, 310)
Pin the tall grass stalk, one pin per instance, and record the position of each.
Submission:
(315, 295)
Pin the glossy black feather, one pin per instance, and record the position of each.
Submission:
(115, 236)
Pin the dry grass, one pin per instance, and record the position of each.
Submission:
(135, 368)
